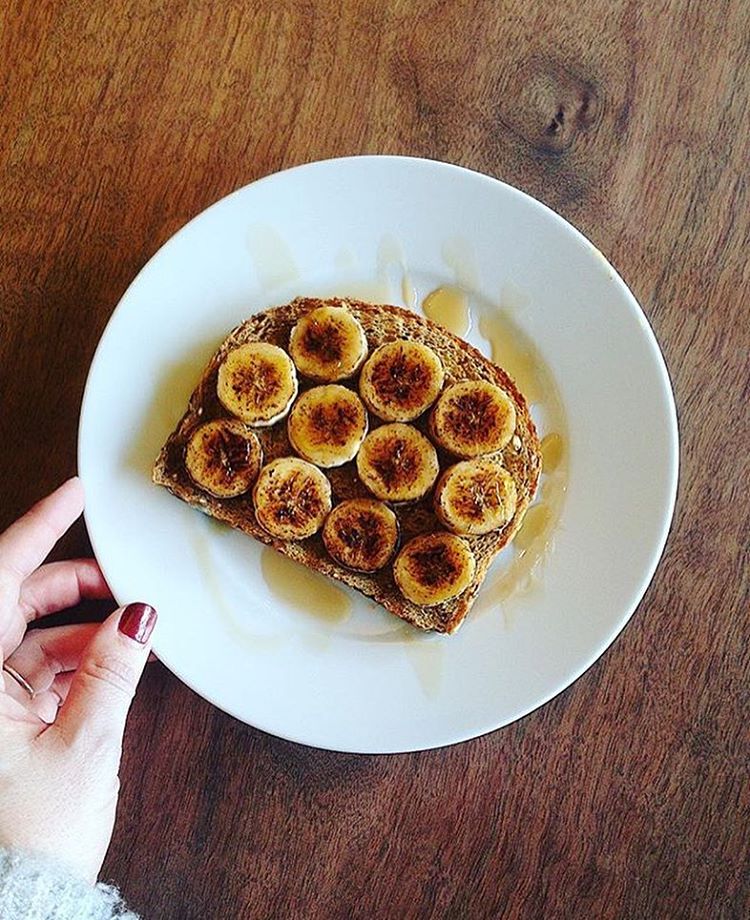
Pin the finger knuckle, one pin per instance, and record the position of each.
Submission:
(113, 671)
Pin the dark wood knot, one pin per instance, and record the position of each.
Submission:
(547, 105)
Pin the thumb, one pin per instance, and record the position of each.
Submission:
(103, 686)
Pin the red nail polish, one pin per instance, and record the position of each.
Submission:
(137, 622)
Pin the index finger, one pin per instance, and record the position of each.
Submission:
(26, 543)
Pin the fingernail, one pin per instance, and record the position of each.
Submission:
(137, 622)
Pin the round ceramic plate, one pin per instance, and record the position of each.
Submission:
(297, 655)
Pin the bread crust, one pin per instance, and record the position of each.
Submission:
(382, 323)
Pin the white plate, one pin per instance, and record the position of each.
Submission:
(300, 667)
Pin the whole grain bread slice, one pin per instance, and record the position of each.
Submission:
(382, 323)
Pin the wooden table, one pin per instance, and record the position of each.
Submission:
(628, 795)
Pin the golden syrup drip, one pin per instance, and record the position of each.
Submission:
(202, 549)
(535, 526)
(532, 544)
(513, 354)
(171, 393)
(448, 306)
(552, 451)
(408, 292)
(212, 581)
(426, 657)
(520, 579)
(308, 592)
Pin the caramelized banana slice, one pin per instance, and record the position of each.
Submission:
(223, 457)
(361, 534)
(475, 496)
(257, 383)
(397, 463)
(328, 344)
(472, 418)
(327, 425)
(292, 498)
(434, 568)
(400, 380)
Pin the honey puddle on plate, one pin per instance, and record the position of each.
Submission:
(552, 452)
(391, 259)
(521, 576)
(318, 597)
(213, 583)
(449, 306)
(425, 653)
(308, 592)
(534, 527)
(391, 263)
(515, 355)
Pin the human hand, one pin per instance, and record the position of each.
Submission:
(65, 693)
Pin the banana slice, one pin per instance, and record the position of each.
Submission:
(327, 425)
(400, 380)
(328, 344)
(397, 463)
(472, 418)
(434, 568)
(257, 383)
(475, 496)
(361, 534)
(292, 498)
(223, 457)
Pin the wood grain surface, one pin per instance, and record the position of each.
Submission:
(626, 797)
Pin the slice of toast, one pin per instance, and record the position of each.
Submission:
(382, 323)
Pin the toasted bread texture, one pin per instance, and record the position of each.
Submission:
(382, 323)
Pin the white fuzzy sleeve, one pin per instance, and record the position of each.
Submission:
(34, 888)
